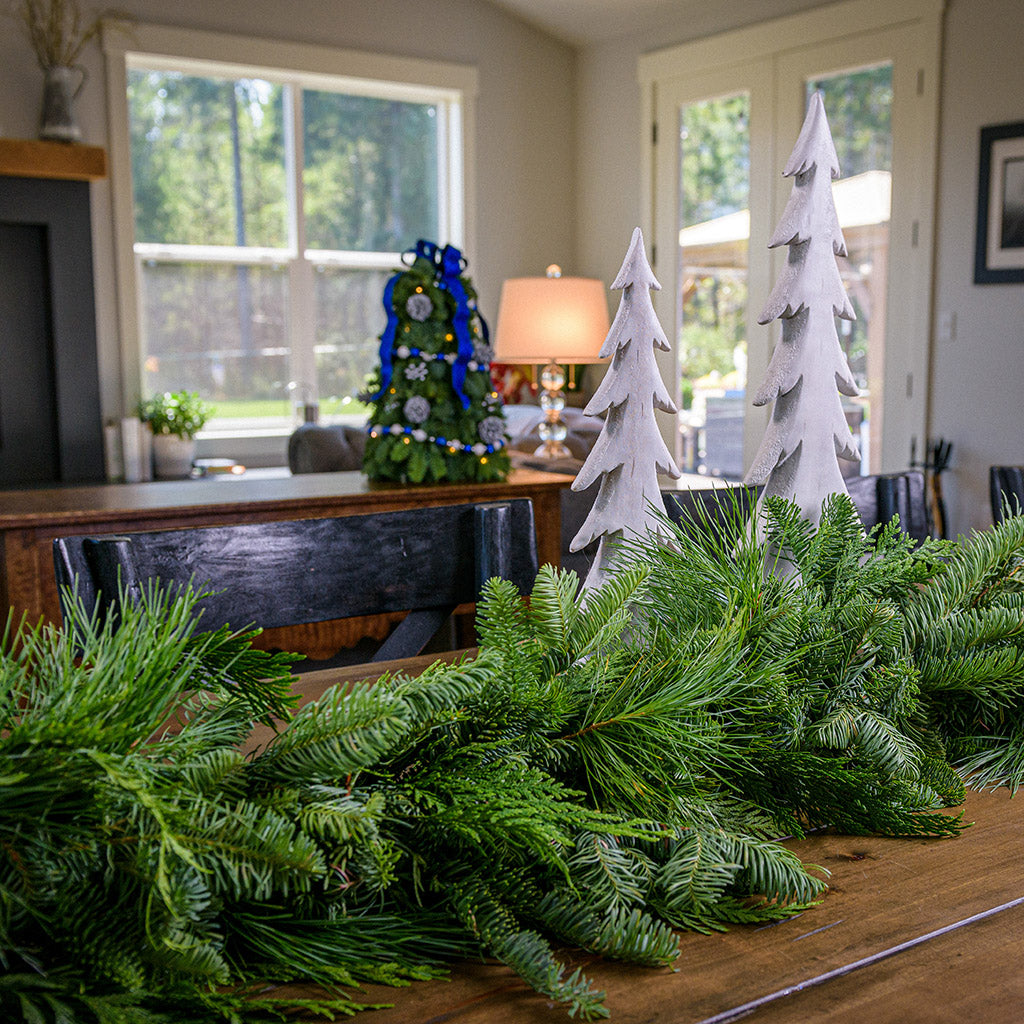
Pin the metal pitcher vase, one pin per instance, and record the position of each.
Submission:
(59, 93)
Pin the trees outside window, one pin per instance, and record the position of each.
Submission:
(269, 211)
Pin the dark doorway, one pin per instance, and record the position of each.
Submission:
(50, 420)
(28, 418)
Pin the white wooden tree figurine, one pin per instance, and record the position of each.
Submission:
(629, 452)
(797, 459)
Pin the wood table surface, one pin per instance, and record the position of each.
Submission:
(910, 931)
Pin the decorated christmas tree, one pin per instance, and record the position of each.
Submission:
(629, 452)
(797, 459)
(435, 414)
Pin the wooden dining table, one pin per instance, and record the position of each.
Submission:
(909, 931)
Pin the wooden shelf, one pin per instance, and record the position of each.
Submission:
(34, 158)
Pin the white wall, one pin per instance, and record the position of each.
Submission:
(978, 378)
(524, 208)
(609, 135)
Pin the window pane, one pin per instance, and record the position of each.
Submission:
(349, 320)
(859, 108)
(207, 159)
(371, 172)
(219, 330)
(713, 237)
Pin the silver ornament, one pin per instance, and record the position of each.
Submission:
(491, 429)
(419, 306)
(416, 409)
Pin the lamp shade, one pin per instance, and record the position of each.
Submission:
(551, 320)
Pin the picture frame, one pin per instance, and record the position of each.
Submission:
(999, 241)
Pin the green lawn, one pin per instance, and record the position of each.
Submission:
(276, 408)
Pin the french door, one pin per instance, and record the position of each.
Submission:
(724, 131)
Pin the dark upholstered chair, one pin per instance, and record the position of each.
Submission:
(877, 499)
(313, 448)
(1006, 490)
(426, 561)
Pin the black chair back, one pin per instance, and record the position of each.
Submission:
(426, 561)
(877, 499)
(1006, 491)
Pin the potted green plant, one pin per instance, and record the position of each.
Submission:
(174, 418)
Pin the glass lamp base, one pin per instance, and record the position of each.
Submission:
(553, 430)
(552, 450)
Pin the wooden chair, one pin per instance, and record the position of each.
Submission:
(426, 560)
(1006, 491)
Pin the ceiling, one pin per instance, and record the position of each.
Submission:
(586, 22)
(581, 22)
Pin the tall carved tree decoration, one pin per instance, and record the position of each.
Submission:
(797, 459)
(629, 452)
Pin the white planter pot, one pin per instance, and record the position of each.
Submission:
(172, 456)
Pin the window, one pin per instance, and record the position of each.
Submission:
(267, 207)
(728, 111)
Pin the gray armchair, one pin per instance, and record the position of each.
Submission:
(313, 448)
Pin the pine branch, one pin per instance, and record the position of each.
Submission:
(838, 792)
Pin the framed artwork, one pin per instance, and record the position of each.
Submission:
(999, 244)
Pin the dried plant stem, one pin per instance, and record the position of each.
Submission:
(57, 30)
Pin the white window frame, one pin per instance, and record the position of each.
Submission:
(754, 60)
(453, 87)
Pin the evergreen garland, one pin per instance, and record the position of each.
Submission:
(599, 775)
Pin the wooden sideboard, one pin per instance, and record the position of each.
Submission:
(31, 519)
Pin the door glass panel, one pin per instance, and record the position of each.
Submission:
(714, 230)
(859, 108)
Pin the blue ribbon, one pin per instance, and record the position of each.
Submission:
(387, 339)
(447, 270)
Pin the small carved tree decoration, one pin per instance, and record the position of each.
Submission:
(629, 452)
(797, 459)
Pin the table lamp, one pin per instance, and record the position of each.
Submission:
(551, 320)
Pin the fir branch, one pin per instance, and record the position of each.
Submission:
(976, 574)
(613, 875)
(553, 611)
(620, 933)
(608, 611)
(526, 952)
